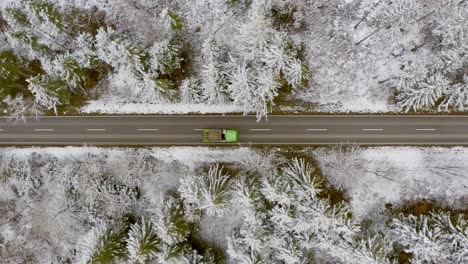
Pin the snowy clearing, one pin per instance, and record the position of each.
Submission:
(374, 177)
(381, 56)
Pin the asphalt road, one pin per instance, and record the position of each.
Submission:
(281, 130)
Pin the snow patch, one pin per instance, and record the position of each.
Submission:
(109, 107)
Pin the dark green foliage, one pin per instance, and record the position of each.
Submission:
(283, 15)
(178, 220)
(9, 65)
(110, 247)
(19, 16)
(165, 84)
(33, 41)
(74, 74)
(143, 234)
(176, 21)
(47, 9)
(55, 86)
(12, 74)
(79, 20)
(170, 58)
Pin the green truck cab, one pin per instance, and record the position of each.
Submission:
(219, 135)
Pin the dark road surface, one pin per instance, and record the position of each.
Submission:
(278, 130)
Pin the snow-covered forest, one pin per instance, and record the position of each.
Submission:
(223, 205)
(147, 52)
(183, 56)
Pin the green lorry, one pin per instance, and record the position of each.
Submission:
(219, 135)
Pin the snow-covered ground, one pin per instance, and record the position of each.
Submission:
(350, 72)
(374, 177)
(115, 107)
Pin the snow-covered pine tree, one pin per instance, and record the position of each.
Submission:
(67, 68)
(170, 221)
(10, 73)
(165, 56)
(261, 54)
(294, 223)
(19, 108)
(130, 65)
(210, 193)
(437, 237)
(372, 250)
(116, 51)
(180, 254)
(213, 74)
(303, 176)
(191, 91)
(260, 161)
(439, 78)
(85, 52)
(454, 232)
(102, 245)
(48, 92)
(421, 87)
(457, 97)
(142, 242)
(419, 237)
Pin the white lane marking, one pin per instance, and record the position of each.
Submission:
(97, 129)
(43, 129)
(148, 129)
(372, 129)
(317, 129)
(1, 129)
(260, 129)
(426, 129)
(198, 129)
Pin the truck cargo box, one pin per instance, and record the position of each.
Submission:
(219, 135)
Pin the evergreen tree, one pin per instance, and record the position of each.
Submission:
(67, 68)
(191, 91)
(171, 223)
(210, 193)
(261, 55)
(142, 242)
(434, 238)
(102, 245)
(10, 74)
(165, 56)
(294, 223)
(213, 73)
(48, 92)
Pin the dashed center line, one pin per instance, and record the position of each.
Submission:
(97, 129)
(426, 129)
(43, 129)
(372, 129)
(148, 129)
(198, 129)
(1, 129)
(317, 129)
(260, 129)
